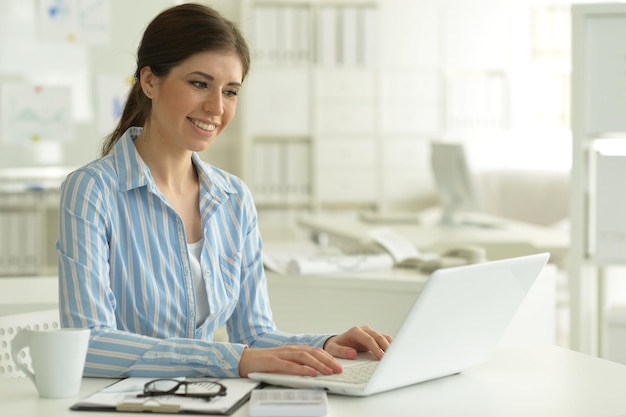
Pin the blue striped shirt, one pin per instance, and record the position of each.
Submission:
(125, 273)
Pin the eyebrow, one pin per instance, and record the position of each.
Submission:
(212, 78)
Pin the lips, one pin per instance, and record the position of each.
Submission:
(209, 127)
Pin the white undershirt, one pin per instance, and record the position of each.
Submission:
(202, 299)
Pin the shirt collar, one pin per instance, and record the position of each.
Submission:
(134, 173)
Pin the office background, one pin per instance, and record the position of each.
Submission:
(352, 90)
(492, 72)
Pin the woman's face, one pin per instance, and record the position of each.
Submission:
(195, 102)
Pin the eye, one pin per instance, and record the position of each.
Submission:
(231, 93)
(199, 84)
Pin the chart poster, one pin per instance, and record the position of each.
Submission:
(31, 113)
(82, 21)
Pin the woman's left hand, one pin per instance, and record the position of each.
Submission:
(358, 339)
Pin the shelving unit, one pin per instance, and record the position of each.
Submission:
(28, 223)
(311, 95)
(598, 113)
(416, 71)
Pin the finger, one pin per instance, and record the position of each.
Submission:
(309, 361)
(370, 340)
(324, 362)
(379, 342)
(382, 340)
(297, 360)
(340, 351)
(349, 343)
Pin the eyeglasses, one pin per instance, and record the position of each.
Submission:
(192, 388)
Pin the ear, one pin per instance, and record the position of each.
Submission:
(147, 80)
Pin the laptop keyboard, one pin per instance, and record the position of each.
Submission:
(358, 373)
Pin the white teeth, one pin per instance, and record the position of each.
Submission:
(204, 126)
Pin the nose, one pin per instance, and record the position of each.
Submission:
(213, 103)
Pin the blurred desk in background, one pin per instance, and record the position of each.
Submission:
(501, 238)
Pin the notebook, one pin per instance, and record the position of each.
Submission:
(456, 323)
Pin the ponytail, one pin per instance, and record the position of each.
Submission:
(135, 113)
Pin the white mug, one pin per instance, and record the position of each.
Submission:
(57, 359)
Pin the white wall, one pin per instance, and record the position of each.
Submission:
(451, 42)
(492, 73)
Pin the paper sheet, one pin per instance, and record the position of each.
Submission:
(338, 263)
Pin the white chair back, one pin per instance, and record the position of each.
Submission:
(10, 325)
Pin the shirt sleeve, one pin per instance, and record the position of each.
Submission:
(85, 299)
(251, 322)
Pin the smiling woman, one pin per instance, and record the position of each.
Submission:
(158, 249)
(194, 103)
(171, 38)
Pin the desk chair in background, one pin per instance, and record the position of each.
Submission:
(11, 324)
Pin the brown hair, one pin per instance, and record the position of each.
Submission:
(173, 36)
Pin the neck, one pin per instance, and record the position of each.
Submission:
(171, 169)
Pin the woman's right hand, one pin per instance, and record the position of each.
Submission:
(292, 359)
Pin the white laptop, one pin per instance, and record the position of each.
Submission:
(456, 322)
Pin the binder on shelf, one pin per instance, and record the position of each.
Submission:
(302, 32)
(32, 259)
(327, 35)
(369, 36)
(610, 206)
(297, 171)
(281, 34)
(282, 171)
(21, 224)
(4, 242)
(258, 39)
(267, 186)
(349, 37)
(286, 34)
(275, 162)
(265, 37)
(14, 246)
(267, 168)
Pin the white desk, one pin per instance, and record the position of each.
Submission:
(550, 382)
(512, 238)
